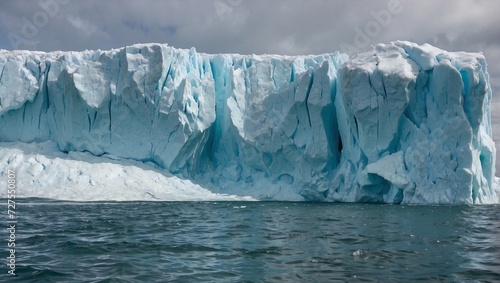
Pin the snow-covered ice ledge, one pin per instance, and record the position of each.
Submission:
(43, 171)
(402, 123)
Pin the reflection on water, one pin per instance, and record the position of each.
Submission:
(257, 242)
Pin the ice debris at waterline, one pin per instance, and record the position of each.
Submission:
(402, 123)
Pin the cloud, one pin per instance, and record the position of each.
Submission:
(258, 26)
(85, 28)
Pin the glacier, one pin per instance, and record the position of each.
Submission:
(401, 123)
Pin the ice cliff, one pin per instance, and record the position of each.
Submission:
(402, 123)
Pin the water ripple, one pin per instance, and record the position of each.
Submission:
(256, 242)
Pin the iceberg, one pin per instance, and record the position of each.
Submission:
(401, 123)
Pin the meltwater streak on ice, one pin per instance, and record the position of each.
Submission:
(401, 123)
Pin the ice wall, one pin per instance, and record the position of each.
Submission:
(402, 123)
(415, 121)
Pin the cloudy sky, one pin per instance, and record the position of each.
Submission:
(254, 26)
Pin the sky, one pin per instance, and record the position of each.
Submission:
(290, 27)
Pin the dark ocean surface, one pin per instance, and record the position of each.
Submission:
(252, 242)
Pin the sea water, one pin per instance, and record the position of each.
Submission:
(253, 242)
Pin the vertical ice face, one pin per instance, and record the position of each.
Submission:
(276, 125)
(400, 123)
(144, 102)
(416, 126)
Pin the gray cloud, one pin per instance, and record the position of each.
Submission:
(257, 26)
